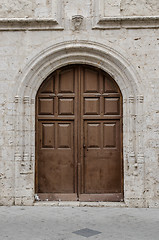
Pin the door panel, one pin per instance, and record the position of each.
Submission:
(110, 135)
(48, 85)
(56, 137)
(93, 135)
(46, 106)
(48, 135)
(91, 106)
(109, 85)
(64, 135)
(111, 106)
(66, 106)
(56, 157)
(91, 81)
(101, 164)
(79, 136)
(66, 81)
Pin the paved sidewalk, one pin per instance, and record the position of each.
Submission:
(60, 223)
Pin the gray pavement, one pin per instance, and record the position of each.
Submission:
(59, 223)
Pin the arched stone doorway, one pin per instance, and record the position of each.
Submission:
(30, 79)
(79, 136)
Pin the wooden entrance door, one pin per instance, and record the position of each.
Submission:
(79, 136)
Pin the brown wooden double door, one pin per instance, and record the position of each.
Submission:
(79, 136)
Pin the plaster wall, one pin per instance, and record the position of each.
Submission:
(28, 55)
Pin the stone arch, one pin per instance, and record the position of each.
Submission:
(72, 52)
(47, 61)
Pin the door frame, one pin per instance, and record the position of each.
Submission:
(79, 162)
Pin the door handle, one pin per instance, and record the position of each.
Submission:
(85, 147)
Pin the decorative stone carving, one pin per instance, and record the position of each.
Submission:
(140, 158)
(140, 98)
(131, 159)
(77, 22)
(17, 99)
(26, 99)
(32, 157)
(17, 157)
(25, 156)
(131, 99)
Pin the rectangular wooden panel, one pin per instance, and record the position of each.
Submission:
(93, 132)
(46, 106)
(112, 106)
(48, 135)
(91, 81)
(109, 137)
(65, 135)
(91, 106)
(66, 81)
(66, 106)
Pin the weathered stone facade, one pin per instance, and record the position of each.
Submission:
(122, 38)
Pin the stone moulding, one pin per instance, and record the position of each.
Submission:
(29, 24)
(44, 24)
(116, 20)
(129, 22)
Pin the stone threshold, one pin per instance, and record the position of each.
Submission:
(79, 204)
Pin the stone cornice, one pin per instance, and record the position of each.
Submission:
(129, 22)
(44, 24)
(29, 24)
